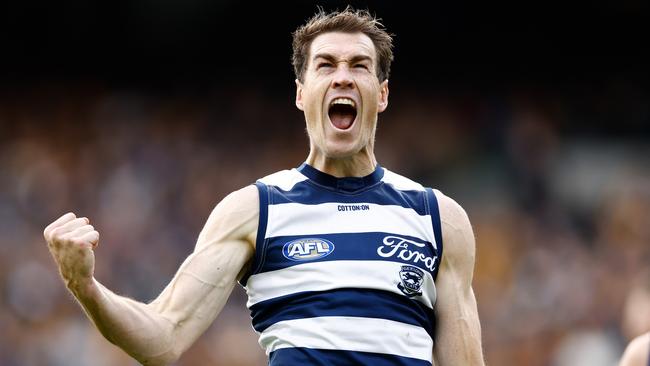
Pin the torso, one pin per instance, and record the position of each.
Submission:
(344, 269)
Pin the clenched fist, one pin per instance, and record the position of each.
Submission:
(71, 241)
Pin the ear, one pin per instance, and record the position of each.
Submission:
(383, 95)
(299, 95)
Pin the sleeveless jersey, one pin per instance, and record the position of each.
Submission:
(344, 269)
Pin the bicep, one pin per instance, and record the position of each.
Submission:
(203, 283)
(458, 335)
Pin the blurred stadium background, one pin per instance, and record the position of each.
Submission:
(142, 115)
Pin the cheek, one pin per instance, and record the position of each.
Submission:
(370, 107)
(314, 97)
(371, 96)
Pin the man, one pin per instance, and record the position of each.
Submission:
(342, 260)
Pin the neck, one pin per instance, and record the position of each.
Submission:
(358, 165)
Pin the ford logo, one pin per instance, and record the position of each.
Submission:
(307, 249)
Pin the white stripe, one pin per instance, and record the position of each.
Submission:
(285, 179)
(400, 182)
(299, 219)
(323, 276)
(350, 334)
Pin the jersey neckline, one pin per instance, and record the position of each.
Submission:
(346, 184)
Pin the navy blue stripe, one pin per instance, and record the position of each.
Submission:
(346, 184)
(260, 244)
(348, 246)
(364, 303)
(321, 357)
(437, 225)
(308, 193)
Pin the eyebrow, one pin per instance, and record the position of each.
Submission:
(332, 58)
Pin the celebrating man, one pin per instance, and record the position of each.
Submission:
(342, 259)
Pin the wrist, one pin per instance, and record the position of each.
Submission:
(82, 288)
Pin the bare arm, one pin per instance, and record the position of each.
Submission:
(159, 332)
(637, 352)
(458, 335)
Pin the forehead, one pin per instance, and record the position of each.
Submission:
(342, 45)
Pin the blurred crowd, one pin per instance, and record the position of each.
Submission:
(561, 218)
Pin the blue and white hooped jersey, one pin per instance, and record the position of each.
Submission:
(344, 269)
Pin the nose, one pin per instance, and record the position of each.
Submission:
(342, 78)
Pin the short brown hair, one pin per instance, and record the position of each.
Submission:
(346, 21)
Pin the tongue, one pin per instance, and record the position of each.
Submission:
(341, 120)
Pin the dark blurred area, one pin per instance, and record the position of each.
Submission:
(142, 115)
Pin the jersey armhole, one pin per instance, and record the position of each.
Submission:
(434, 211)
(260, 241)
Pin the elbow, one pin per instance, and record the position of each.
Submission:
(161, 350)
(166, 358)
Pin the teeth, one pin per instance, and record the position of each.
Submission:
(344, 101)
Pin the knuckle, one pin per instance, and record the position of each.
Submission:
(55, 233)
(76, 242)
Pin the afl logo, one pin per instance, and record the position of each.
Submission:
(307, 249)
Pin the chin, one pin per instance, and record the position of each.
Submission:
(340, 150)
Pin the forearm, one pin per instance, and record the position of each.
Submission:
(460, 340)
(159, 332)
(135, 327)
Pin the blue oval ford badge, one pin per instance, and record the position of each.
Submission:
(307, 249)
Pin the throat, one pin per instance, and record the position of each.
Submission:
(358, 165)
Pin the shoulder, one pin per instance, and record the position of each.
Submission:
(400, 182)
(284, 179)
(452, 214)
(637, 352)
(234, 218)
(244, 199)
(457, 232)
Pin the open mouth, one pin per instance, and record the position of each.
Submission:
(342, 112)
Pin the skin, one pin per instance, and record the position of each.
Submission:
(637, 351)
(458, 336)
(635, 325)
(159, 332)
(340, 65)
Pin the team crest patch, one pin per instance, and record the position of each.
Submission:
(412, 278)
(307, 249)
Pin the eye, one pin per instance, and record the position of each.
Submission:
(323, 64)
(361, 66)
